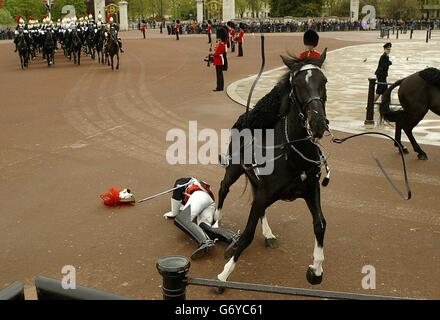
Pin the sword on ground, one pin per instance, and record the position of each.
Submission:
(165, 192)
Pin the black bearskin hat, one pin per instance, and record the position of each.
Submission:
(209, 21)
(222, 33)
(387, 45)
(178, 21)
(311, 38)
(242, 26)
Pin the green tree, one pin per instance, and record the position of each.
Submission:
(5, 17)
(281, 8)
(402, 9)
(80, 8)
(25, 8)
(241, 6)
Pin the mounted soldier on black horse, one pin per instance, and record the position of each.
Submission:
(295, 111)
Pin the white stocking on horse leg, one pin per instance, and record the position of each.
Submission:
(318, 259)
(267, 232)
(227, 270)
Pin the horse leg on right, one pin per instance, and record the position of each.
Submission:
(313, 200)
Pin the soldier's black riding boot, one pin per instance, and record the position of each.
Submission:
(183, 221)
(223, 235)
(120, 46)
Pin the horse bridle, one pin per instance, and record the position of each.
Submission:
(292, 95)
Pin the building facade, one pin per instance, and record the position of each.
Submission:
(431, 9)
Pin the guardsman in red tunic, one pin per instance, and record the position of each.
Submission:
(176, 29)
(209, 31)
(193, 208)
(311, 40)
(231, 27)
(240, 40)
(219, 57)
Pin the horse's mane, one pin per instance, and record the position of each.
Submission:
(431, 75)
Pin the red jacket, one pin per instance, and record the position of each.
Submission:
(232, 34)
(240, 37)
(176, 27)
(218, 54)
(209, 29)
(310, 54)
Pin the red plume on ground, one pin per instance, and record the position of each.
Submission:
(111, 198)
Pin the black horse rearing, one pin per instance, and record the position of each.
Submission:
(298, 101)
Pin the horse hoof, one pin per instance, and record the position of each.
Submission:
(220, 290)
(312, 278)
(271, 243)
(422, 156)
(405, 150)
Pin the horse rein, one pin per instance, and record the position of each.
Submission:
(379, 163)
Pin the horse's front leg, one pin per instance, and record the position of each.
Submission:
(257, 211)
(117, 65)
(270, 239)
(313, 200)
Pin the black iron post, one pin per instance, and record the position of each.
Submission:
(369, 119)
(411, 33)
(173, 270)
(427, 35)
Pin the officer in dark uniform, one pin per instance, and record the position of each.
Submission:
(382, 71)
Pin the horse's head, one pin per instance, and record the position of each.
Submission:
(308, 92)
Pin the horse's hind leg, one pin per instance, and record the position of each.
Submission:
(233, 172)
(117, 65)
(398, 138)
(420, 153)
(315, 271)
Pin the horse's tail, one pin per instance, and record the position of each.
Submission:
(385, 112)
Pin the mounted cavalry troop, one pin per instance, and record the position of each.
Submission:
(75, 37)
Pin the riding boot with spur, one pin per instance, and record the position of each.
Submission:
(183, 221)
(223, 235)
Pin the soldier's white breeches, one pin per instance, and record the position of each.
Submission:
(202, 207)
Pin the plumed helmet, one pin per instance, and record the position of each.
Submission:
(90, 17)
(99, 16)
(387, 45)
(311, 38)
(222, 33)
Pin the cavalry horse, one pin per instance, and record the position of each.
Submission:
(418, 93)
(49, 48)
(75, 47)
(23, 50)
(112, 49)
(99, 45)
(300, 121)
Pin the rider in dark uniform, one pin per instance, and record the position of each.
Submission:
(382, 71)
(114, 26)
